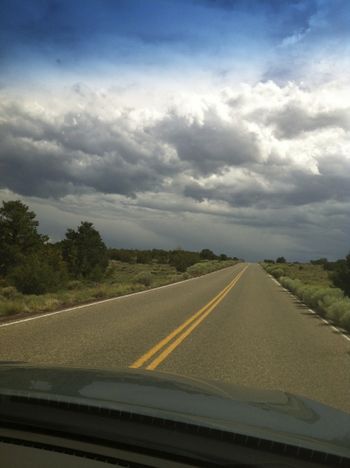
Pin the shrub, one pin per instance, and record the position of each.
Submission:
(277, 272)
(39, 273)
(345, 320)
(317, 296)
(75, 284)
(9, 292)
(337, 310)
(144, 278)
(327, 301)
(292, 284)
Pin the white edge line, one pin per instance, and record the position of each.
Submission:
(90, 304)
(312, 311)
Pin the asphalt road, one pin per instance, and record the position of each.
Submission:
(235, 325)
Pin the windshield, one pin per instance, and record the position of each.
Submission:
(175, 192)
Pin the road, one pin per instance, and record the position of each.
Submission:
(235, 325)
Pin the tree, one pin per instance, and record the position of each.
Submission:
(144, 256)
(223, 257)
(18, 234)
(319, 261)
(85, 252)
(341, 275)
(280, 260)
(123, 255)
(181, 259)
(207, 254)
(40, 272)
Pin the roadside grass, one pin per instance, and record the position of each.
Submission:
(120, 279)
(207, 266)
(306, 272)
(312, 285)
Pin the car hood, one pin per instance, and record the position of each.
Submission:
(270, 415)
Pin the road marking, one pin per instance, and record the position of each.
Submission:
(197, 318)
(90, 304)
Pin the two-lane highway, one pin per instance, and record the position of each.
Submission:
(235, 325)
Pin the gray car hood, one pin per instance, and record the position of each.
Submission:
(271, 415)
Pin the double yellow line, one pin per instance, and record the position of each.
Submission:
(183, 330)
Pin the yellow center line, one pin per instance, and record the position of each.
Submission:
(204, 310)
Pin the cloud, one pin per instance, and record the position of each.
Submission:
(210, 144)
(268, 159)
(77, 152)
(295, 119)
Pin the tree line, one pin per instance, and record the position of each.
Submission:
(179, 258)
(34, 265)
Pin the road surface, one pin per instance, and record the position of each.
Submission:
(235, 325)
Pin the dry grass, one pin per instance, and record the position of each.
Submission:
(121, 278)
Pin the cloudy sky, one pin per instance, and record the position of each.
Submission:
(196, 123)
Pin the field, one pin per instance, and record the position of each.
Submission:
(121, 278)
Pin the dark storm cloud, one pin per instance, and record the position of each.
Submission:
(201, 156)
(295, 119)
(210, 145)
(282, 186)
(76, 153)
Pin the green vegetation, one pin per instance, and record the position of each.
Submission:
(121, 278)
(313, 285)
(85, 252)
(281, 260)
(18, 235)
(341, 274)
(204, 267)
(308, 273)
(37, 276)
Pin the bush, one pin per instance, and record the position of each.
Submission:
(336, 311)
(292, 284)
(345, 321)
(182, 260)
(277, 272)
(39, 273)
(75, 284)
(144, 278)
(341, 275)
(327, 301)
(9, 292)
